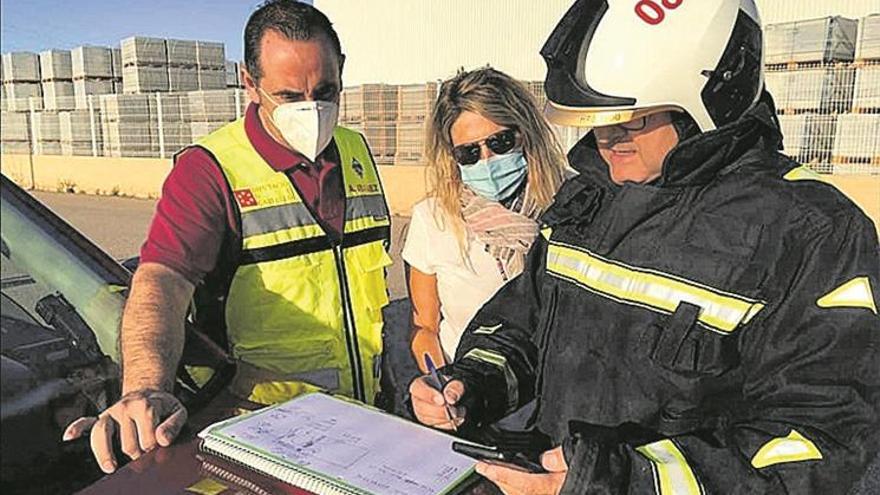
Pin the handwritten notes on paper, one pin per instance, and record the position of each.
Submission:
(359, 446)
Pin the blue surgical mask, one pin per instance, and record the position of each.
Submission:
(497, 177)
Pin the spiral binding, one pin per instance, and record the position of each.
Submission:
(233, 478)
(289, 474)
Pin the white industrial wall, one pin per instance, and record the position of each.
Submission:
(399, 42)
(414, 41)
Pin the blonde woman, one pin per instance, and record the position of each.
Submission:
(494, 167)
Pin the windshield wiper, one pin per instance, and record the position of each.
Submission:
(61, 315)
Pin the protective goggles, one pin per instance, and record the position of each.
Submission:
(499, 143)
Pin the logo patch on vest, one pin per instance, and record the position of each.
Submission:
(245, 198)
(363, 188)
(357, 167)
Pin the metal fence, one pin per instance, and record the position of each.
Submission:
(152, 125)
(829, 113)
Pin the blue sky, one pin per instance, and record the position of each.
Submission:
(36, 25)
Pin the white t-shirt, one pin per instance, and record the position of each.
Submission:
(434, 251)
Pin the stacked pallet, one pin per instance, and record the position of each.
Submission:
(56, 75)
(815, 84)
(128, 125)
(828, 39)
(94, 74)
(778, 43)
(116, 64)
(857, 143)
(867, 88)
(172, 129)
(868, 44)
(15, 132)
(371, 109)
(821, 89)
(233, 75)
(144, 65)
(21, 81)
(857, 148)
(183, 65)
(169, 119)
(211, 59)
(209, 110)
(808, 65)
(47, 133)
(866, 95)
(414, 108)
(80, 132)
(809, 139)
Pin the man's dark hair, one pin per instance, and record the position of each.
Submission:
(295, 20)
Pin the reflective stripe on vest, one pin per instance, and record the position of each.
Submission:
(298, 306)
(276, 218)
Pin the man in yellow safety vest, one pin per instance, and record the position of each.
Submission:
(279, 219)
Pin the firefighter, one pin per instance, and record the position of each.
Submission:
(700, 314)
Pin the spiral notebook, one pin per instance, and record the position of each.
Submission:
(330, 445)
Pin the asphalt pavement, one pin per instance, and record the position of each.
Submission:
(119, 225)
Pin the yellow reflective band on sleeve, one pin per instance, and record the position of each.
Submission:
(672, 474)
(793, 448)
(497, 360)
(856, 293)
(801, 173)
(721, 311)
(547, 232)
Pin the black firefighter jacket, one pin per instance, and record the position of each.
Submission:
(715, 331)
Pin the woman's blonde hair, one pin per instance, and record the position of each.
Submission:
(506, 102)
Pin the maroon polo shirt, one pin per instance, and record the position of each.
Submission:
(196, 212)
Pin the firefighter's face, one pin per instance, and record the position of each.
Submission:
(635, 151)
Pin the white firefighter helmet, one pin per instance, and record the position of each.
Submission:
(611, 61)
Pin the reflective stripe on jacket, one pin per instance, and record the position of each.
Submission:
(303, 311)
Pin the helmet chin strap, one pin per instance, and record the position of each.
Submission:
(685, 126)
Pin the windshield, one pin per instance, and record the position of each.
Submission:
(43, 256)
(20, 293)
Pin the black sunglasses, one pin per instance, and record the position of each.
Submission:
(499, 143)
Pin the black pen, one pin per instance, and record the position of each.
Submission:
(438, 384)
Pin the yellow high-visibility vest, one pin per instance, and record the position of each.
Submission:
(303, 309)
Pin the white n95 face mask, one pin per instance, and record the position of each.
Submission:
(307, 126)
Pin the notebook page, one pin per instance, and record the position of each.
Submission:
(361, 447)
